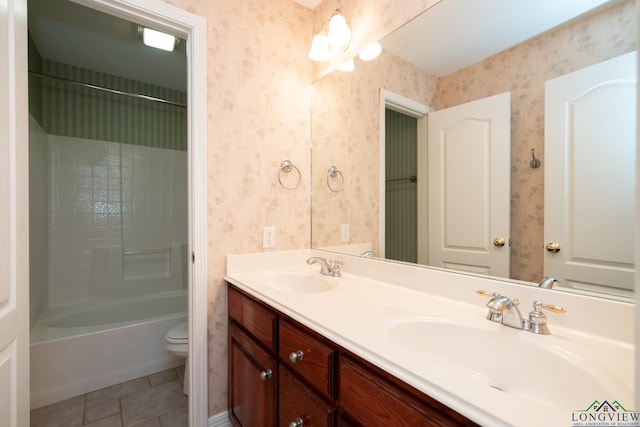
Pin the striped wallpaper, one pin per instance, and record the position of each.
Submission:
(71, 110)
(401, 197)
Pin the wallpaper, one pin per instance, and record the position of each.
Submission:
(72, 110)
(523, 70)
(258, 114)
(341, 100)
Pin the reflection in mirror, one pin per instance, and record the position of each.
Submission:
(348, 125)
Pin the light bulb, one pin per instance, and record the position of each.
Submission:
(371, 52)
(158, 40)
(319, 48)
(339, 33)
(347, 66)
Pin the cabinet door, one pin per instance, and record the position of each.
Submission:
(301, 406)
(252, 382)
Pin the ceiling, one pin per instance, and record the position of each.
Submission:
(72, 34)
(76, 35)
(456, 33)
(310, 4)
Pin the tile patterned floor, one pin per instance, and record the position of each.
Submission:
(152, 401)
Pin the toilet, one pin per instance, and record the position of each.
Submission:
(177, 341)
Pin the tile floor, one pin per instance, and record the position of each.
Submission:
(152, 401)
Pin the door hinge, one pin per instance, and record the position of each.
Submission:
(193, 257)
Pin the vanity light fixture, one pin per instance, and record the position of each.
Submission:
(370, 52)
(158, 39)
(319, 48)
(337, 37)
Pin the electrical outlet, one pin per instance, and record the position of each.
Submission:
(345, 233)
(268, 237)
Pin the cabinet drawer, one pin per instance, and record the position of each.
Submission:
(254, 317)
(368, 397)
(297, 402)
(315, 360)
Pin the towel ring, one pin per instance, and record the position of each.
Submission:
(332, 173)
(286, 166)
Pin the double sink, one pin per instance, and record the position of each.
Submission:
(452, 348)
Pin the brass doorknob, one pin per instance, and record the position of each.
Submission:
(553, 247)
(499, 242)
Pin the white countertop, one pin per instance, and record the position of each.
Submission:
(360, 310)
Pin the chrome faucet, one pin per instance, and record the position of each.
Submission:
(548, 283)
(367, 254)
(328, 268)
(505, 310)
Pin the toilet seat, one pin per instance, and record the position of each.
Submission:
(178, 334)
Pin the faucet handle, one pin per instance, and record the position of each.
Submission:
(537, 305)
(538, 320)
(484, 293)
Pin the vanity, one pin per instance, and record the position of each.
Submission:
(387, 344)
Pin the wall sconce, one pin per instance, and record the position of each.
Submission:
(337, 37)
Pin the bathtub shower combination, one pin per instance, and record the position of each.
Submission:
(112, 276)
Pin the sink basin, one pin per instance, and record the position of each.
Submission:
(523, 364)
(299, 283)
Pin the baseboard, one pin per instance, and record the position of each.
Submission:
(220, 420)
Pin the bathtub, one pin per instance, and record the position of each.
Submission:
(78, 349)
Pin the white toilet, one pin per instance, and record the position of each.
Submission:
(177, 340)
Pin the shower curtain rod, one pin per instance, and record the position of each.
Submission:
(105, 89)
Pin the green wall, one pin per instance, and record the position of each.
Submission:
(76, 111)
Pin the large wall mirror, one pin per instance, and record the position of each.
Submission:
(409, 165)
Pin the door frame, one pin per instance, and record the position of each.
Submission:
(411, 108)
(192, 28)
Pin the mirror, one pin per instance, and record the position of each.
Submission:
(346, 116)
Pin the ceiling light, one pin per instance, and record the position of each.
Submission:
(371, 52)
(158, 40)
(347, 66)
(319, 48)
(339, 33)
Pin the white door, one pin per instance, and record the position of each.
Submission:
(14, 216)
(589, 198)
(469, 186)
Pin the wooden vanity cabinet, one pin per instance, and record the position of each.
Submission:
(282, 373)
(369, 395)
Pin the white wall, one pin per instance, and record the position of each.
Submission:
(106, 200)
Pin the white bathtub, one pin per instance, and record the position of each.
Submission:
(75, 350)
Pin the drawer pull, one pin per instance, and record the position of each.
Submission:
(265, 375)
(296, 356)
(298, 422)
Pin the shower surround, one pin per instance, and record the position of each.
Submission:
(115, 236)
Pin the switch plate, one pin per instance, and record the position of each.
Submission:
(345, 233)
(268, 237)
